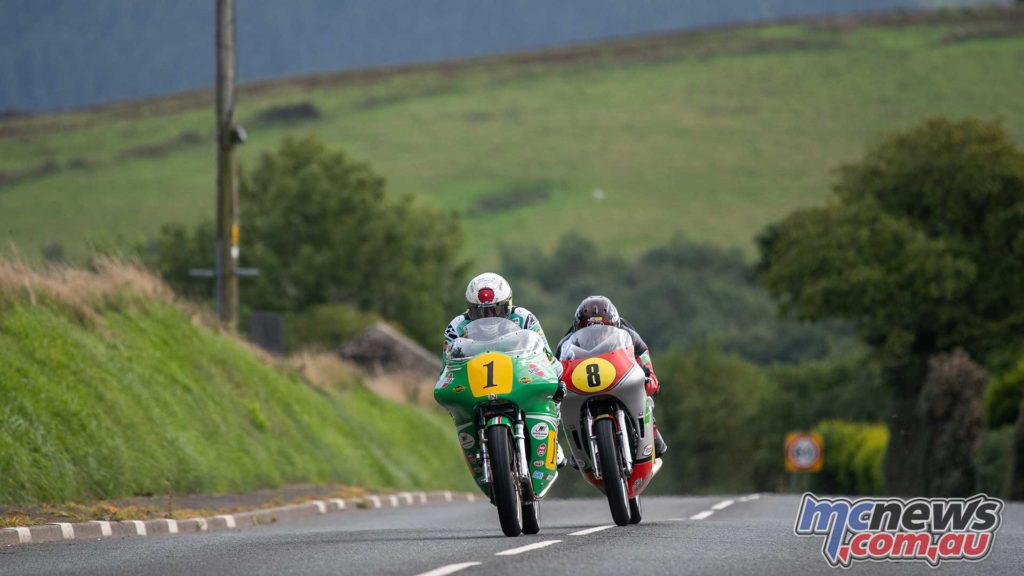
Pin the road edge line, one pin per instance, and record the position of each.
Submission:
(104, 529)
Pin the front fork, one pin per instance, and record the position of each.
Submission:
(620, 430)
(627, 455)
(518, 435)
(520, 438)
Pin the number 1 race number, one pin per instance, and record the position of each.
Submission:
(489, 373)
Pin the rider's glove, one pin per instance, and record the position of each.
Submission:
(651, 384)
(560, 393)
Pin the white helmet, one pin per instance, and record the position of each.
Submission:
(488, 295)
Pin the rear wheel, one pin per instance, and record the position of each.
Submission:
(531, 517)
(611, 473)
(503, 483)
(636, 510)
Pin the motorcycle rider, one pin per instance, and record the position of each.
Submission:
(600, 310)
(490, 296)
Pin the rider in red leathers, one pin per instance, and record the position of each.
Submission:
(600, 310)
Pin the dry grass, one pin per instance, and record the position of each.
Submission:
(80, 291)
(325, 370)
(408, 387)
(86, 292)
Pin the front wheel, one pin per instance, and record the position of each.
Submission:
(636, 510)
(611, 472)
(531, 517)
(504, 484)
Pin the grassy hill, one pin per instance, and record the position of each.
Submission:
(710, 134)
(110, 389)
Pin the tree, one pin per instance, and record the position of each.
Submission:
(922, 248)
(677, 294)
(322, 229)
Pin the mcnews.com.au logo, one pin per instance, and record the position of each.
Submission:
(931, 530)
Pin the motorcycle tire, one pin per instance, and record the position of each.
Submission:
(504, 484)
(611, 472)
(531, 517)
(636, 510)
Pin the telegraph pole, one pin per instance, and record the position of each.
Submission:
(228, 136)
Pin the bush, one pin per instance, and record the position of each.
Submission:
(1003, 397)
(854, 453)
(847, 389)
(327, 326)
(993, 461)
(708, 411)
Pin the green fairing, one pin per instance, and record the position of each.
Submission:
(534, 382)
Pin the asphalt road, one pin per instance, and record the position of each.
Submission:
(679, 535)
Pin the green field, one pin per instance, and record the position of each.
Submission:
(111, 390)
(709, 134)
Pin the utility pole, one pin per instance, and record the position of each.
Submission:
(228, 136)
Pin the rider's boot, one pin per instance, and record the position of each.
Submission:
(560, 459)
(659, 444)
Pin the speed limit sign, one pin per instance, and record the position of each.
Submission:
(805, 452)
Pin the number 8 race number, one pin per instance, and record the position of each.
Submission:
(593, 375)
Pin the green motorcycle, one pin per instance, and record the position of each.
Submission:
(499, 384)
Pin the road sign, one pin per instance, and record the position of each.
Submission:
(805, 452)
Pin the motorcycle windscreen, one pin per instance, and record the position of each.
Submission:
(594, 341)
(495, 335)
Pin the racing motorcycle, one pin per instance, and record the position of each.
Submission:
(499, 384)
(606, 417)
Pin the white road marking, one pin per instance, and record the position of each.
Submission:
(447, 496)
(375, 500)
(172, 526)
(591, 530)
(702, 515)
(423, 497)
(394, 501)
(449, 569)
(338, 502)
(406, 496)
(750, 497)
(723, 505)
(67, 531)
(228, 519)
(201, 522)
(24, 535)
(104, 528)
(140, 527)
(527, 548)
(321, 506)
(471, 497)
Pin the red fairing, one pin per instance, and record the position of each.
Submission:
(621, 359)
(643, 472)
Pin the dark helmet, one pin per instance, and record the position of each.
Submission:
(596, 310)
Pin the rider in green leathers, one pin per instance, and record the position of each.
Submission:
(490, 296)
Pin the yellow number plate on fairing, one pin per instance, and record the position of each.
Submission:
(488, 374)
(593, 375)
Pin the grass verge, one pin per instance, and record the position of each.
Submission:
(110, 389)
